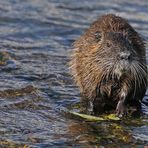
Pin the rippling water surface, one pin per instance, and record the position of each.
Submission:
(35, 84)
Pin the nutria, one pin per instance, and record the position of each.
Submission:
(109, 65)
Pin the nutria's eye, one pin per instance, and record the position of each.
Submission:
(108, 44)
(98, 36)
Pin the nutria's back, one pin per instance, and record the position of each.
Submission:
(109, 65)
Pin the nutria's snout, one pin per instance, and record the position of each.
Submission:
(109, 65)
(124, 62)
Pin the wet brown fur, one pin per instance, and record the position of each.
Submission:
(92, 75)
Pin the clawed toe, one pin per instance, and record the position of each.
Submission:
(120, 109)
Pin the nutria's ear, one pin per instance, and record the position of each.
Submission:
(98, 35)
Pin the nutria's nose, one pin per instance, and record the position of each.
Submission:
(124, 56)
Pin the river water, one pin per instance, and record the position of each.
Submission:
(36, 39)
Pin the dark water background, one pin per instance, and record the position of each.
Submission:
(35, 84)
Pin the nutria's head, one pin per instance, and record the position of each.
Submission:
(113, 45)
(116, 52)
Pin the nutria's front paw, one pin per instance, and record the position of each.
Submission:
(120, 109)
